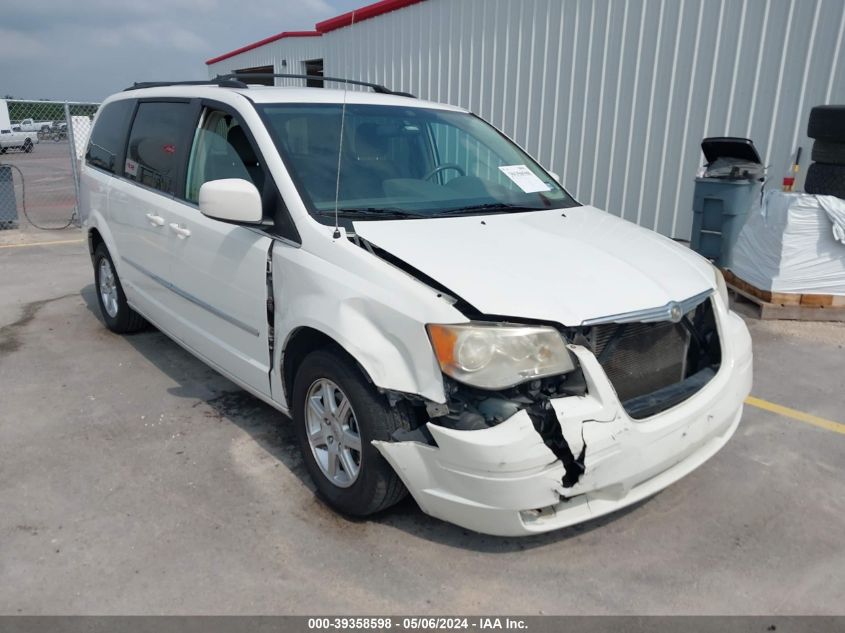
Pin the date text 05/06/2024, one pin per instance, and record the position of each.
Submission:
(431, 623)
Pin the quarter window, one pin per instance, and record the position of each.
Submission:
(221, 150)
(109, 134)
(157, 144)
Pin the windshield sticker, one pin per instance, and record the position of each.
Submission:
(524, 178)
(131, 168)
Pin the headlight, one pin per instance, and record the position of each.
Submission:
(492, 356)
(722, 287)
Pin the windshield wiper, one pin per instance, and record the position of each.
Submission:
(490, 207)
(362, 212)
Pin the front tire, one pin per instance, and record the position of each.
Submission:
(117, 314)
(27, 146)
(337, 413)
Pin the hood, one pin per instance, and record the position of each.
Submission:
(560, 265)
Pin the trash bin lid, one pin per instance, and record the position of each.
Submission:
(717, 147)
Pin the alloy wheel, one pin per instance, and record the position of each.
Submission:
(333, 433)
(108, 287)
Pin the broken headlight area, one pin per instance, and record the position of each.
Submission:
(469, 408)
(654, 366)
(493, 370)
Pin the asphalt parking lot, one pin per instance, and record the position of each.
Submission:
(135, 480)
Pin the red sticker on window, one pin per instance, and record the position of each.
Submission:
(170, 149)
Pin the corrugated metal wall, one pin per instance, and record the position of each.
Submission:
(613, 95)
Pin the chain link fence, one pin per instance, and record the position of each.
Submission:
(41, 143)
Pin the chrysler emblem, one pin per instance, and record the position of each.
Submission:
(675, 312)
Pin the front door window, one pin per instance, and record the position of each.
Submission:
(221, 150)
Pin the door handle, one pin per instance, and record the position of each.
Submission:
(181, 231)
(155, 220)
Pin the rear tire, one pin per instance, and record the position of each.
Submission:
(825, 180)
(355, 408)
(117, 314)
(27, 146)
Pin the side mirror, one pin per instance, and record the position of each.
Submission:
(232, 200)
(555, 176)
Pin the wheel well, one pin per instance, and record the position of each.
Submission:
(94, 240)
(302, 342)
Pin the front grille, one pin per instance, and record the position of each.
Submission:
(650, 359)
(639, 358)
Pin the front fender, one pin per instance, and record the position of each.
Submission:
(376, 312)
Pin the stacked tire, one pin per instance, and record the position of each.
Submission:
(826, 175)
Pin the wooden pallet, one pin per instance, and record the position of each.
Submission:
(786, 305)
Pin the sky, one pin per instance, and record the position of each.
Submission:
(85, 50)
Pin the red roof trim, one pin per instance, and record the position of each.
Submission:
(364, 13)
(266, 40)
(337, 22)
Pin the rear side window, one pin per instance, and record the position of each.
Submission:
(109, 134)
(158, 144)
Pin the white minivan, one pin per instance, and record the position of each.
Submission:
(432, 309)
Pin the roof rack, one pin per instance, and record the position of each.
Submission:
(227, 83)
(236, 80)
(375, 87)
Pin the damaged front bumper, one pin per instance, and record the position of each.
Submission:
(504, 480)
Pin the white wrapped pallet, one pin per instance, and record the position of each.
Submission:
(795, 243)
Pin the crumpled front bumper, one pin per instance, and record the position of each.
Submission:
(505, 481)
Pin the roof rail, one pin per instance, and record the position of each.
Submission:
(241, 77)
(217, 81)
(239, 80)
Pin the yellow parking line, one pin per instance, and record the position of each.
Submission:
(829, 425)
(40, 243)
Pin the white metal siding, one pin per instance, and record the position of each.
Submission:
(613, 95)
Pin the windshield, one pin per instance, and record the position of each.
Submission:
(406, 162)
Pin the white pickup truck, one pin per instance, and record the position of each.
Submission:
(31, 125)
(24, 141)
